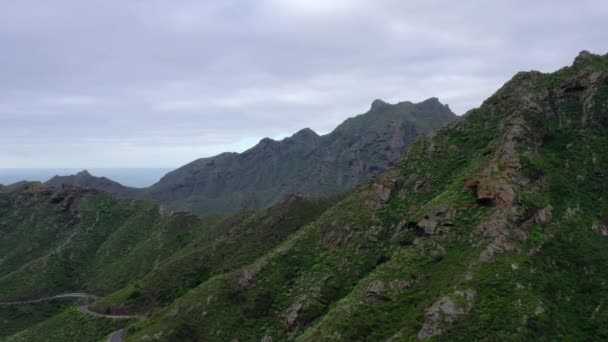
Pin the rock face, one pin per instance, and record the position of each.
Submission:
(379, 291)
(437, 220)
(445, 311)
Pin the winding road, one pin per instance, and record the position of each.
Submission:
(115, 336)
(82, 295)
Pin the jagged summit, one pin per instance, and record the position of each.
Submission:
(305, 132)
(84, 173)
(267, 140)
(304, 163)
(432, 100)
(378, 103)
(583, 56)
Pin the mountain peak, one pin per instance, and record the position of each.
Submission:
(432, 100)
(83, 173)
(267, 140)
(584, 57)
(377, 103)
(305, 132)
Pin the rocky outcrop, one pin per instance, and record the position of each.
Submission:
(544, 215)
(291, 319)
(335, 235)
(440, 316)
(379, 291)
(249, 275)
(437, 220)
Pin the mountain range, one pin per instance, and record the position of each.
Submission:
(494, 227)
(305, 163)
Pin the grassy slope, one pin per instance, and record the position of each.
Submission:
(72, 239)
(20, 317)
(70, 325)
(543, 278)
(99, 244)
(234, 242)
(324, 264)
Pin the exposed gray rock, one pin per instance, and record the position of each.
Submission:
(600, 228)
(583, 57)
(399, 286)
(381, 291)
(444, 311)
(544, 215)
(374, 292)
(292, 317)
(437, 220)
(379, 193)
(373, 232)
(249, 275)
(498, 245)
(335, 235)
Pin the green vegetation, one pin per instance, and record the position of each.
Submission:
(477, 215)
(16, 318)
(69, 325)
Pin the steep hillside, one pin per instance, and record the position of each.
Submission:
(71, 239)
(495, 226)
(14, 319)
(69, 325)
(58, 240)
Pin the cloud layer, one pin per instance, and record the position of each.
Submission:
(159, 83)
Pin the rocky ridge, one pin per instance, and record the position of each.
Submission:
(304, 164)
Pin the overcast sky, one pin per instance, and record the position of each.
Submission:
(150, 83)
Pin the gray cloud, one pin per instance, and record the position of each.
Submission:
(159, 83)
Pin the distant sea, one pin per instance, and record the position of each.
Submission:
(138, 178)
